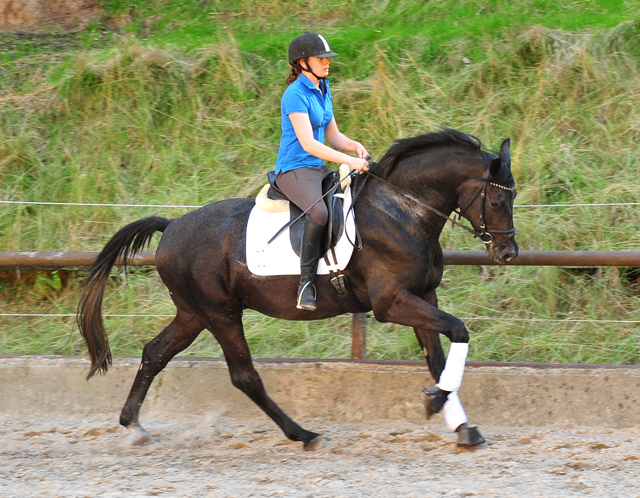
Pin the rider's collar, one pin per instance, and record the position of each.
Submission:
(307, 82)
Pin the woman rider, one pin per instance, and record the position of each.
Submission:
(307, 121)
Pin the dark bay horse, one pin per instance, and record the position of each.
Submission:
(400, 211)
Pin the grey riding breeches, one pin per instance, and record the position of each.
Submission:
(303, 187)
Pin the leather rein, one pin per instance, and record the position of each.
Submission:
(486, 234)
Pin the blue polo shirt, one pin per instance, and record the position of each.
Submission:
(302, 96)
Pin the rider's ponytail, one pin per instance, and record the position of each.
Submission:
(296, 69)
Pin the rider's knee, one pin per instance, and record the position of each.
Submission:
(319, 213)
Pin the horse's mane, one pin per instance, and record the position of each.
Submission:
(405, 146)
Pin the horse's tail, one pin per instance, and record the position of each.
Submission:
(125, 245)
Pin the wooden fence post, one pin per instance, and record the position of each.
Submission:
(359, 340)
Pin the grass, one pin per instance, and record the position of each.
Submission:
(506, 323)
(171, 102)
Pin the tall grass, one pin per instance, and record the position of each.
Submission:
(170, 102)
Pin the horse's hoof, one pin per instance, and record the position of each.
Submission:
(469, 436)
(434, 400)
(315, 444)
(143, 440)
(140, 436)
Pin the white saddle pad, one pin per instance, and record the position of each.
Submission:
(278, 257)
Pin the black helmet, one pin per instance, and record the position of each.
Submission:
(309, 45)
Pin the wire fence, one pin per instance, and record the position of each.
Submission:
(359, 340)
(188, 206)
(466, 319)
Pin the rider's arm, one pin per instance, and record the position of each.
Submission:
(304, 132)
(340, 141)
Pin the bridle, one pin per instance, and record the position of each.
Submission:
(485, 235)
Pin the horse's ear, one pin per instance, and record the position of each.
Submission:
(505, 153)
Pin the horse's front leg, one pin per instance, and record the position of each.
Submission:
(444, 395)
(428, 322)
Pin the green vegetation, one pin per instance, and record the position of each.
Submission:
(177, 103)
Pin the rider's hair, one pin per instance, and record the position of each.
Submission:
(296, 69)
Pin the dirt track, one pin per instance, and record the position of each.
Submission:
(228, 458)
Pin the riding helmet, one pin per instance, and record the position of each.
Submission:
(309, 45)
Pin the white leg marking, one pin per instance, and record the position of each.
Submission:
(453, 412)
(451, 377)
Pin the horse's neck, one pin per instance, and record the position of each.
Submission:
(406, 214)
(433, 181)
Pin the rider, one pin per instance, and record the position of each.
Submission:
(307, 121)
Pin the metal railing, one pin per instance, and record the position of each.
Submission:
(588, 259)
(525, 258)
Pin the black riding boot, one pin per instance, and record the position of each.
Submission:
(309, 257)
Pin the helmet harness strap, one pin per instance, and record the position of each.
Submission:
(321, 80)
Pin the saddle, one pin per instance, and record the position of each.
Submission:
(334, 203)
(272, 200)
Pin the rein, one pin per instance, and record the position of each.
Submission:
(485, 235)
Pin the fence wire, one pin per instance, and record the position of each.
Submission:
(177, 206)
(465, 319)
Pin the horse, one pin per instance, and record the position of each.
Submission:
(400, 211)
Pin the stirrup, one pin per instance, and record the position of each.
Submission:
(309, 303)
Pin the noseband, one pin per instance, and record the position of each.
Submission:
(486, 234)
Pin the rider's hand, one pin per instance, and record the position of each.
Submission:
(361, 152)
(359, 164)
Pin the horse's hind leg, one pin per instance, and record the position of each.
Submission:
(432, 350)
(430, 344)
(176, 337)
(230, 335)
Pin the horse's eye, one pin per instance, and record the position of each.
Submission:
(497, 204)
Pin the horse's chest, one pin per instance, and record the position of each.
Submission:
(433, 278)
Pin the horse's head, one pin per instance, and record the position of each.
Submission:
(487, 202)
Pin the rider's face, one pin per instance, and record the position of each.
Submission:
(319, 67)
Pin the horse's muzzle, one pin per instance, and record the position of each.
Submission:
(503, 252)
